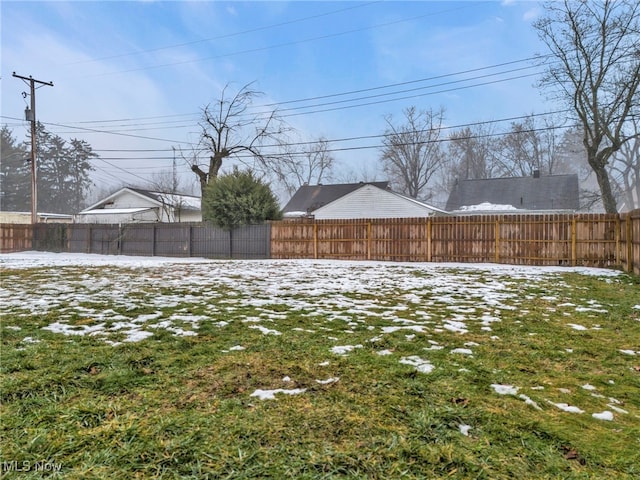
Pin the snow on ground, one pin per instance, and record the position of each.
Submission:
(566, 407)
(98, 296)
(504, 389)
(271, 394)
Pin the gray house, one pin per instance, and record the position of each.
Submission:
(534, 193)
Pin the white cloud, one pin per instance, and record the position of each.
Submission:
(531, 14)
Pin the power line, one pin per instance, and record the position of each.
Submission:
(320, 97)
(284, 44)
(415, 89)
(112, 133)
(123, 170)
(399, 84)
(228, 35)
(373, 137)
(378, 102)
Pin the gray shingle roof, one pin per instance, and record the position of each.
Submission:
(552, 192)
(311, 197)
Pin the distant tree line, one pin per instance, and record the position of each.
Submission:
(63, 172)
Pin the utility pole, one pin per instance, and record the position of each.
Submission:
(31, 116)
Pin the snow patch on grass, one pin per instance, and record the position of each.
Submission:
(421, 365)
(606, 415)
(504, 389)
(566, 407)
(271, 394)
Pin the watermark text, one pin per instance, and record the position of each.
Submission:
(29, 466)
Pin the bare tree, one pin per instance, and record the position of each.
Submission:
(625, 170)
(472, 153)
(595, 69)
(572, 156)
(311, 163)
(412, 152)
(528, 147)
(229, 129)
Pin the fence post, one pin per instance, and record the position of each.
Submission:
(315, 240)
(629, 243)
(497, 256)
(429, 239)
(189, 239)
(267, 238)
(618, 253)
(153, 240)
(369, 241)
(574, 242)
(89, 238)
(121, 230)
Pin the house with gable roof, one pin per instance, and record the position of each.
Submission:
(355, 200)
(135, 205)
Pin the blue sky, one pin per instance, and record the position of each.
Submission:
(146, 69)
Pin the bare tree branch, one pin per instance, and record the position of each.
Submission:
(229, 129)
(411, 152)
(596, 47)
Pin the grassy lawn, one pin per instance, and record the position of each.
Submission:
(123, 368)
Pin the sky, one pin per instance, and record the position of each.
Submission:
(132, 78)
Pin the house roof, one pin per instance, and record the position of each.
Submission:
(185, 202)
(371, 201)
(114, 211)
(311, 197)
(552, 192)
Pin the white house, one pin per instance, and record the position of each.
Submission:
(134, 205)
(369, 201)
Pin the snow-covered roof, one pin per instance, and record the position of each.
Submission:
(295, 214)
(486, 207)
(495, 209)
(112, 211)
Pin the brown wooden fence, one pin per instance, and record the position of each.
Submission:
(599, 240)
(15, 237)
(630, 241)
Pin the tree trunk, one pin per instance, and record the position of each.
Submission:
(202, 176)
(608, 200)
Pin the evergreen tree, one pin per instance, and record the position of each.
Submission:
(15, 174)
(239, 198)
(63, 173)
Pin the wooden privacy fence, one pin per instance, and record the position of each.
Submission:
(15, 237)
(598, 240)
(602, 240)
(162, 239)
(630, 243)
